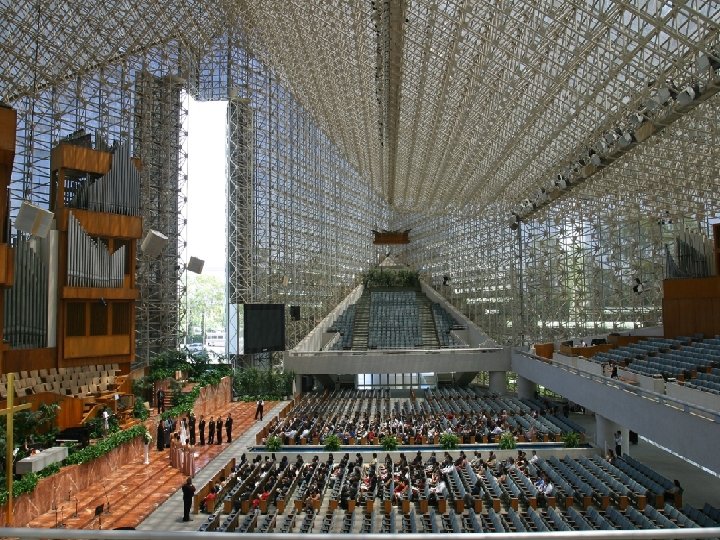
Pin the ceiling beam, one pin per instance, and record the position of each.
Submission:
(390, 30)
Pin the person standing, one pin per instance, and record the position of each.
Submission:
(191, 425)
(160, 437)
(259, 409)
(618, 443)
(167, 428)
(201, 427)
(218, 430)
(160, 400)
(228, 428)
(211, 431)
(188, 492)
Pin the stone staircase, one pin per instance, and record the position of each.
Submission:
(361, 323)
(427, 322)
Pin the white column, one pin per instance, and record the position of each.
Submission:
(297, 385)
(604, 433)
(498, 382)
(525, 388)
(52, 266)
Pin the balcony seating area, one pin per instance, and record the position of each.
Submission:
(692, 360)
(78, 381)
(444, 323)
(395, 319)
(447, 493)
(344, 325)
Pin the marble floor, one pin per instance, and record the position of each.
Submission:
(135, 491)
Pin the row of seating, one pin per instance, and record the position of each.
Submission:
(73, 381)
(511, 520)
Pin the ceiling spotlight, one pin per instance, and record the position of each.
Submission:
(688, 95)
(635, 120)
(611, 137)
(625, 139)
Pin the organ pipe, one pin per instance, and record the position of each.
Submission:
(90, 263)
(27, 300)
(118, 192)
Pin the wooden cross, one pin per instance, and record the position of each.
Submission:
(9, 411)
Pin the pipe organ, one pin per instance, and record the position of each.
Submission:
(26, 302)
(96, 199)
(89, 262)
(117, 192)
(73, 298)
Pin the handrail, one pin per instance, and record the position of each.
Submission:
(690, 408)
(381, 352)
(71, 534)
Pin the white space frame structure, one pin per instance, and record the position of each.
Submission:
(591, 125)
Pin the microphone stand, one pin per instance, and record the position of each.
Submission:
(60, 525)
(107, 500)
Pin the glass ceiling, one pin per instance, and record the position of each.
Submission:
(437, 103)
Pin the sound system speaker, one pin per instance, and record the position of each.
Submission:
(295, 313)
(195, 265)
(153, 243)
(34, 220)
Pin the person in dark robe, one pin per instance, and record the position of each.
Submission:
(211, 431)
(201, 427)
(218, 430)
(191, 428)
(167, 429)
(259, 409)
(228, 428)
(160, 435)
(161, 401)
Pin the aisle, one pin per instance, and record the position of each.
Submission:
(168, 516)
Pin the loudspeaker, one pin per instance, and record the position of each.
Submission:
(295, 313)
(34, 220)
(153, 243)
(195, 265)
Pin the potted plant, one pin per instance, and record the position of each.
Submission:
(571, 440)
(507, 441)
(273, 443)
(332, 443)
(449, 441)
(389, 443)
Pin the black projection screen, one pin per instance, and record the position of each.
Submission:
(264, 328)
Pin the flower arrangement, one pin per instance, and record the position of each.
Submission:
(147, 437)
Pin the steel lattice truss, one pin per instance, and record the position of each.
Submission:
(443, 116)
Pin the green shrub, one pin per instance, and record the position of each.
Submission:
(389, 443)
(273, 443)
(571, 440)
(139, 409)
(332, 443)
(507, 441)
(449, 441)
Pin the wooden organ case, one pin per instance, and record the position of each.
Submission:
(95, 195)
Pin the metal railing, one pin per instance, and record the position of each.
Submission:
(67, 534)
(690, 408)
